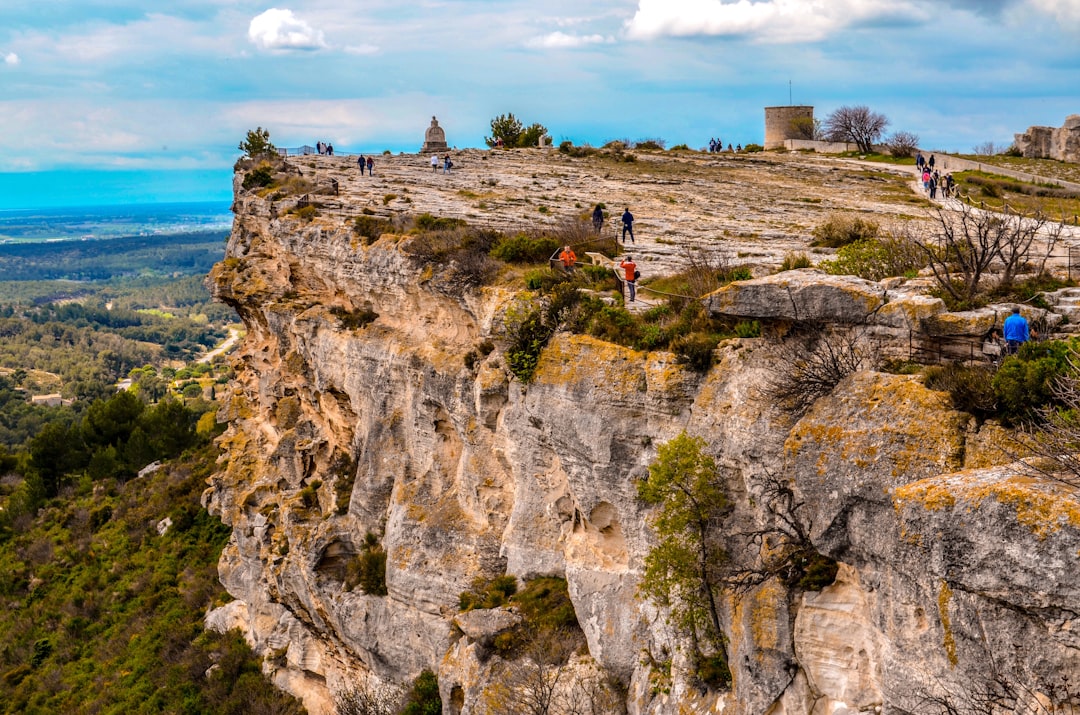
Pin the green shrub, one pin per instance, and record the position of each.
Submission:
(877, 258)
(809, 570)
(614, 324)
(522, 248)
(969, 385)
(309, 495)
(486, 593)
(697, 350)
(1025, 382)
(841, 229)
(387, 198)
(260, 176)
(748, 329)
(354, 319)
(534, 279)
(371, 228)
(794, 261)
(680, 147)
(423, 698)
(368, 570)
(650, 144)
(753, 148)
(343, 470)
(739, 273)
(713, 670)
(305, 213)
(427, 222)
(526, 337)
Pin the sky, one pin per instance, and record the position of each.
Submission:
(94, 92)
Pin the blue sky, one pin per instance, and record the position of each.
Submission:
(92, 86)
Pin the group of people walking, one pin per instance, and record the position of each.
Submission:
(932, 180)
(368, 162)
(324, 148)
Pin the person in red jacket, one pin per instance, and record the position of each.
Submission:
(631, 274)
(568, 258)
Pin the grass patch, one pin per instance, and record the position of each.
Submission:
(996, 192)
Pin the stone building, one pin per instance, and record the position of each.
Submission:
(1052, 143)
(434, 138)
(789, 122)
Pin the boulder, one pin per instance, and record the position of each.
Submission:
(801, 295)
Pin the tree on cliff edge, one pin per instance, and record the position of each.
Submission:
(257, 143)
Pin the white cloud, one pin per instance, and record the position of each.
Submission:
(1064, 11)
(282, 30)
(560, 40)
(361, 49)
(770, 21)
(11, 59)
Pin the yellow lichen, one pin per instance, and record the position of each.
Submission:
(1043, 506)
(581, 360)
(948, 640)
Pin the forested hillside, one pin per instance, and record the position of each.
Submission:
(105, 575)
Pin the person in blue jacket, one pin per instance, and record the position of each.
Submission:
(1015, 331)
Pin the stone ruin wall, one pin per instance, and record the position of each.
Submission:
(1062, 144)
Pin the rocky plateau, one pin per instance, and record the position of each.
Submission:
(957, 567)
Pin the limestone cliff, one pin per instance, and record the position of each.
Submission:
(353, 412)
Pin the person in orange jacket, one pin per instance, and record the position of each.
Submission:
(631, 274)
(568, 258)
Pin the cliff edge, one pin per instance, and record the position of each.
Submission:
(355, 420)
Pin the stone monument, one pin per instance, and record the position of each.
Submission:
(434, 138)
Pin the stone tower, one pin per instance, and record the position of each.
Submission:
(434, 138)
(779, 124)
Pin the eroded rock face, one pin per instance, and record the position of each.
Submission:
(1060, 143)
(340, 428)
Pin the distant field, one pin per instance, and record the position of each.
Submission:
(105, 259)
(97, 222)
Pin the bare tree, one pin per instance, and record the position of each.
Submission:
(988, 149)
(999, 693)
(856, 124)
(541, 683)
(812, 365)
(902, 144)
(368, 699)
(965, 243)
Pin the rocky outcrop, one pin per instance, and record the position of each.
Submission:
(355, 412)
(1060, 143)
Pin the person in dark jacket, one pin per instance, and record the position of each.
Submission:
(598, 218)
(628, 225)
